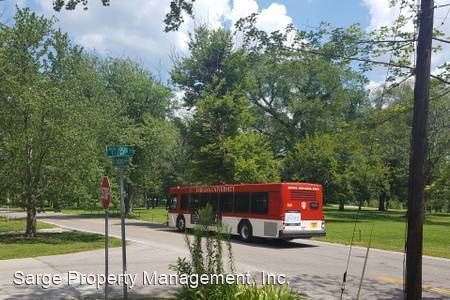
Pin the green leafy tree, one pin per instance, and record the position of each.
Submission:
(216, 119)
(146, 105)
(28, 107)
(294, 91)
(213, 65)
(249, 159)
(153, 172)
(313, 160)
(72, 4)
(349, 171)
(50, 154)
(438, 192)
(221, 108)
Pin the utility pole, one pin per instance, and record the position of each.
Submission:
(416, 182)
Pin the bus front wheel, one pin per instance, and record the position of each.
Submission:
(245, 231)
(181, 224)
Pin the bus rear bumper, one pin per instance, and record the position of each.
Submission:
(300, 234)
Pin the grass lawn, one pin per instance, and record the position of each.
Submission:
(18, 246)
(388, 230)
(157, 215)
(7, 225)
(96, 212)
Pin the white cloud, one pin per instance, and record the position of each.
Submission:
(273, 18)
(132, 29)
(209, 12)
(242, 8)
(135, 29)
(380, 13)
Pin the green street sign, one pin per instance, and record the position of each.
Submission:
(120, 150)
(120, 161)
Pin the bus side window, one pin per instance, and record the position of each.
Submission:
(260, 203)
(226, 202)
(184, 203)
(195, 202)
(203, 200)
(241, 202)
(213, 201)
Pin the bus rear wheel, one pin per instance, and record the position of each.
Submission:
(245, 231)
(181, 224)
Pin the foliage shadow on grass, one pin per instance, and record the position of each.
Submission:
(438, 223)
(60, 238)
(146, 224)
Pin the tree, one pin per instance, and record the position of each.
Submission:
(390, 122)
(27, 136)
(175, 18)
(48, 140)
(216, 119)
(221, 107)
(348, 170)
(295, 92)
(72, 4)
(313, 160)
(146, 105)
(249, 159)
(152, 173)
(212, 62)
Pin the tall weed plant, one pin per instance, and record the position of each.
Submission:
(206, 246)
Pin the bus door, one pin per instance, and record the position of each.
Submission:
(194, 205)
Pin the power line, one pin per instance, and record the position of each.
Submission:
(344, 277)
(440, 6)
(442, 23)
(390, 57)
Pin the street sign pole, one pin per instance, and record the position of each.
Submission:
(106, 253)
(122, 225)
(120, 155)
(106, 199)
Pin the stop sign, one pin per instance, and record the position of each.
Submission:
(106, 192)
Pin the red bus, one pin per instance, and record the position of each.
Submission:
(272, 210)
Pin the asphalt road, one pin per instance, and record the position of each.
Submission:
(312, 267)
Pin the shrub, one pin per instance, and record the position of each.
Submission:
(268, 291)
(373, 203)
(395, 204)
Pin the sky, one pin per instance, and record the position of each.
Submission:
(134, 28)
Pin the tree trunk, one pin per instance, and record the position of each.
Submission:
(146, 201)
(30, 231)
(129, 199)
(382, 203)
(153, 202)
(31, 221)
(341, 204)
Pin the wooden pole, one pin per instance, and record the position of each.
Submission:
(416, 182)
